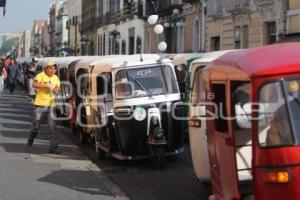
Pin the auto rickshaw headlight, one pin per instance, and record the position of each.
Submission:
(158, 133)
(123, 111)
(277, 177)
(154, 120)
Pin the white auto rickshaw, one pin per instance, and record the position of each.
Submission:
(133, 100)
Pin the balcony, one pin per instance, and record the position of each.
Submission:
(215, 8)
(100, 21)
(261, 3)
(237, 6)
(128, 12)
(87, 25)
(166, 8)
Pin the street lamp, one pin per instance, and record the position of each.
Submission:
(158, 29)
(84, 40)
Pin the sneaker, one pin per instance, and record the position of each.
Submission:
(54, 151)
(29, 142)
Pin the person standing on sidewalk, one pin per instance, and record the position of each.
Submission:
(2, 71)
(13, 71)
(30, 76)
(47, 85)
(6, 62)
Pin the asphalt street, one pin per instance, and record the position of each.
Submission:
(32, 173)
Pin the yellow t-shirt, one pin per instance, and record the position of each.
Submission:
(44, 97)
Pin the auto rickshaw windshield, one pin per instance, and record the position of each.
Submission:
(279, 123)
(146, 81)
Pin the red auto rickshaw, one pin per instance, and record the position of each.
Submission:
(252, 103)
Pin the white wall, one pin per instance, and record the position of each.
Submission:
(123, 28)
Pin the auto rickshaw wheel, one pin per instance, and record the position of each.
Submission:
(101, 155)
(82, 135)
(74, 129)
(159, 157)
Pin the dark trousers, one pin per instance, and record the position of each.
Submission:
(41, 113)
(12, 87)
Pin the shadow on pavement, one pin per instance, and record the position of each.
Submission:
(81, 181)
(67, 152)
(21, 134)
(20, 118)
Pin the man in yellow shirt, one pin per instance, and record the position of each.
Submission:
(47, 84)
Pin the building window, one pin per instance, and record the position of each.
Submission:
(103, 44)
(131, 33)
(110, 46)
(270, 32)
(123, 47)
(180, 41)
(245, 36)
(138, 45)
(294, 24)
(99, 44)
(215, 44)
(196, 36)
(237, 37)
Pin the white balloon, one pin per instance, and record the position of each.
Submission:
(158, 29)
(162, 46)
(152, 19)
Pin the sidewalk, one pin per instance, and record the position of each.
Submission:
(31, 173)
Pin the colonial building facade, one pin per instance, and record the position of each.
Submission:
(37, 43)
(61, 31)
(234, 24)
(106, 27)
(87, 27)
(183, 23)
(74, 13)
(293, 17)
(120, 27)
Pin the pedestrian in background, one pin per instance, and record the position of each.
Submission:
(46, 84)
(6, 63)
(13, 71)
(1, 77)
(31, 72)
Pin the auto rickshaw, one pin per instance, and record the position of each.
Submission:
(183, 68)
(135, 112)
(249, 101)
(197, 135)
(67, 89)
(79, 78)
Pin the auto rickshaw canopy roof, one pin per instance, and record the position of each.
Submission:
(184, 58)
(263, 61)
(63, 62)
(110, 63)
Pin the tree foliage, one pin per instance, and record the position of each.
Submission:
(7, 46)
